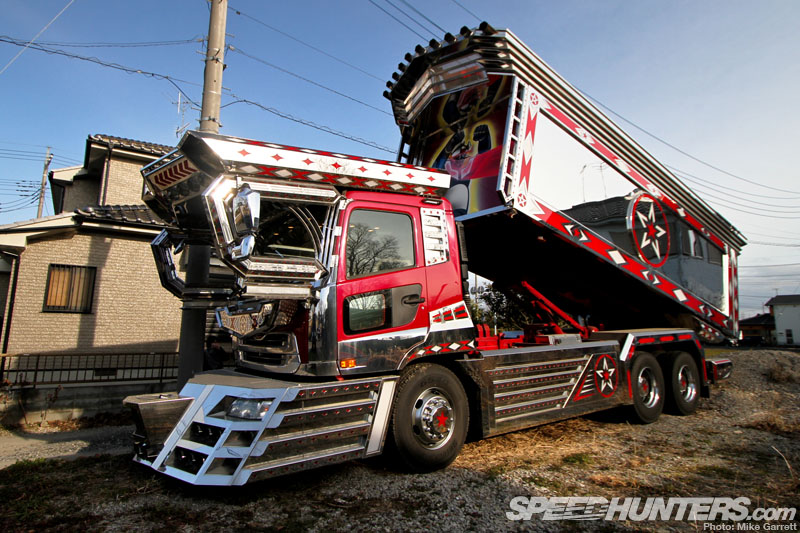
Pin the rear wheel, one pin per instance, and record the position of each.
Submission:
(647, 381)
(430, 417)
(683, 382)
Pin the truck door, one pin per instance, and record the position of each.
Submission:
(381, 290)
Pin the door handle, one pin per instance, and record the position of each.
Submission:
(412, 299)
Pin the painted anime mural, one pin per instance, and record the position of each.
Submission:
(465, 132)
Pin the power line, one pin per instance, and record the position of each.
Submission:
(172, 80)
(750, 212)
(309, 123)
(690, 156)
(442, 30)
(459, 4)
(769, 266)
(122, 45)
(409, 28)
(412, 19)
(762, 243)
(307, 80)
(304, 43)
(686, 175)
(753, 204)
(35, 36)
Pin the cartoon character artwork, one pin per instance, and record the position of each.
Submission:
(466, 130)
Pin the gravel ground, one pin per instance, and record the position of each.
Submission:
(741, 442)
(39, 443)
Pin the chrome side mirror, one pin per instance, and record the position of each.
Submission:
(246, 210)
(244, 249)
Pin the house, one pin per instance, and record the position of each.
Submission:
(84, 279)
(758, 330)
(786, 310)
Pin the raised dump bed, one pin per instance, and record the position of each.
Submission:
(553, 194)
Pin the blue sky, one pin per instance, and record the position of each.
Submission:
(717, 79)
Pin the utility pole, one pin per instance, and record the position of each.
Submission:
(193, 313)
(47, 159)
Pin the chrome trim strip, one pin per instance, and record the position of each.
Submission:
(382, 415)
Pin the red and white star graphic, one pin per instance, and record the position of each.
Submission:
(650, 230)
(605, 375)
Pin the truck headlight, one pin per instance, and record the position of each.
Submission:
(249, 409)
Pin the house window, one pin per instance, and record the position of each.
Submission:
(69, 289)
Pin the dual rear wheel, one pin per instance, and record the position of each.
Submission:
(678, 390)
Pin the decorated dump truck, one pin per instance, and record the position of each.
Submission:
(349, 305)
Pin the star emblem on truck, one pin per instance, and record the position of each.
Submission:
(605, 375)
(650, 230)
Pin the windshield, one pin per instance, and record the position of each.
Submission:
(281, 233)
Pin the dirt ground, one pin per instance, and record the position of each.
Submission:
(743, 442)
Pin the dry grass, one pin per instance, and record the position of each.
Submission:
(742, 442)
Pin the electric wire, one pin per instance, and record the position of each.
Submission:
(174, 82)
(683, 152)
(732, 195)
(732, 203)
(785, 245)
(304, 43)
(412, 19)
(459, 4)
(409, 28)
(442, 30)
(55, 51)
(686, 175)
(721, 204)
(307, 80)
(309, 123)
(29, 43)
(769, 266)
(140, 44)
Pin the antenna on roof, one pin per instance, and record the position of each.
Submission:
(180, 130)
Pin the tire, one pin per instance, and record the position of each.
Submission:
(430, 418)
(647, 381)
(683, 383)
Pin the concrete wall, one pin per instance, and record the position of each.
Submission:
(32, 406)
(787, 317)
(130, 309)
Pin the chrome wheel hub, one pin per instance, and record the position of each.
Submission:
(686, 384)
(433, 419)
(648, 388)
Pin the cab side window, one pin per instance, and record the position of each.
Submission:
(378, 241)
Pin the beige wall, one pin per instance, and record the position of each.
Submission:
(147, 318)
(81, 193)
(124, 182)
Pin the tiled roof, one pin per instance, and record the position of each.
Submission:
(764, 319)
(784, 299)
(139, 215)
(140, 146)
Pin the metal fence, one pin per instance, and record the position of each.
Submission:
(31, 370)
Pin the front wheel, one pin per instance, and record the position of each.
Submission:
(648, 388)
(430, 417)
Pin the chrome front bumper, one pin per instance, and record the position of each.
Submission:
(190, 436)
